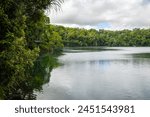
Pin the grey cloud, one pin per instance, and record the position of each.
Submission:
(145, 1)
(118, 13)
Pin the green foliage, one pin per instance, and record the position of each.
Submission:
(82, 37)
(24, 33)
(52, 42)
(15, 63)
(41, 70)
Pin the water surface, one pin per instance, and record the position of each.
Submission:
(100, 73)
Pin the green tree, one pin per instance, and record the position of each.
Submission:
(22, 23)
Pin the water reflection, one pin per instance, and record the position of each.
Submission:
(41, 71)
(122, 74)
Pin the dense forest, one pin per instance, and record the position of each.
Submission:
(73, 37)
(25, 34)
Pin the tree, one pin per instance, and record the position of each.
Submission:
(18, 48)
(82, 37)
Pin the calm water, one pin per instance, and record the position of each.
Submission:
(108, 73)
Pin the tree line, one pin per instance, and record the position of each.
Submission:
(73, 37)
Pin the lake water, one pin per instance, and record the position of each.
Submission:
(100, 73)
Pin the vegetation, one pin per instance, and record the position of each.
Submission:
(81, 37)
(24, 34)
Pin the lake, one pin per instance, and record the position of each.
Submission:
(106, 73)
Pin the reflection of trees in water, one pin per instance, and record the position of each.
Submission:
(39, 75)
(141, 55)
(132, 59)
(135, 59)
(140, 58)
(41, 71)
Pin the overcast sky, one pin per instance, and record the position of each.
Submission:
(103, 14)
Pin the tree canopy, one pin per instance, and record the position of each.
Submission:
(24, 34)
(83, 37)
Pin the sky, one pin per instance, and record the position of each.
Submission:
(103, 14)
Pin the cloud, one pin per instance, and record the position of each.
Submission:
(117, 14)
(145, 2)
